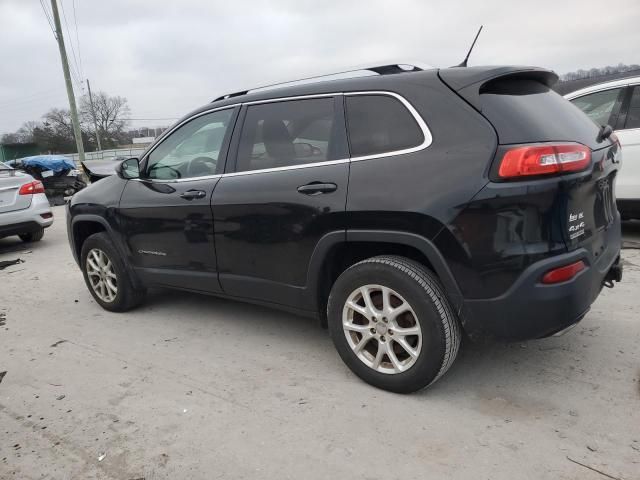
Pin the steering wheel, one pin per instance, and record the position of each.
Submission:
(155, 168)
(201, 166)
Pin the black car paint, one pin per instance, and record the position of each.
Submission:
(257, 238)
(170, 238)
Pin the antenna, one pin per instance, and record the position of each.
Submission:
(464, 62)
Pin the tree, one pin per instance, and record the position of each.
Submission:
(111, 116)
(23, 135)
(55, 132)
(597, 72)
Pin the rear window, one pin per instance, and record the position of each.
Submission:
(380, 124)
(524, 111)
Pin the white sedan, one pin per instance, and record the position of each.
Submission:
(24, 208)
(617, 103)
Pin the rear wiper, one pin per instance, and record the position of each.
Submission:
(604, 133)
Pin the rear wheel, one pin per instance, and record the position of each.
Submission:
(32, 236)
(106, 276)
(392, 324)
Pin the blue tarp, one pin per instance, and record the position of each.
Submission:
(55, 163)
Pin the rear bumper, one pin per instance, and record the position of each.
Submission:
(27, 220)
(530, 309)
(19, 228)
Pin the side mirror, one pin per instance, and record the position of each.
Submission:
(128, 169)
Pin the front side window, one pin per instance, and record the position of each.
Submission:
(192, 150)
(633, 116)
(287, 133)
(599, 106)
(380, 124)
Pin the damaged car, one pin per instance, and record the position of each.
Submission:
(98, 169)
(57, 173)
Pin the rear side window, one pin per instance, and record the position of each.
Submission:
(380, 124)
(633, 116)
(600, 106)
(288, 133)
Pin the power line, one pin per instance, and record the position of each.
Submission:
(75, 21)
(24, 103)
(77, 75)
(41, 93)
(49, 21)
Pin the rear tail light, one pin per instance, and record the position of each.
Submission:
(31, 188)
(562, 274)
(546, 159)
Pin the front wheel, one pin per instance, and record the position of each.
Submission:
(106, 276)
(392, 323)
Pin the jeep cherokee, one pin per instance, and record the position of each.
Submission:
(401, 209)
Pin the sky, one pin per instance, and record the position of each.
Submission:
(169, 57)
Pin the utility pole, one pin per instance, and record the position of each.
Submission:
(67, 78)
(93, 114)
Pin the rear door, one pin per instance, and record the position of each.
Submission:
(286, 189)
(166, 215)
(628, 132)
(10, 183)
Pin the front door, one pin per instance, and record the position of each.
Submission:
(287, 189)
(628, 132)
(166, 215)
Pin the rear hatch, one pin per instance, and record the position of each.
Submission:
(525, 111)
(10, 183)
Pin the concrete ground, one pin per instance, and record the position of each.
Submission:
(192, 387)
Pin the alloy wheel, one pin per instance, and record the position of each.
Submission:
(382, 329)
(101, 274)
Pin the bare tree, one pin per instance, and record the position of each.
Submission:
(55, 132)
(597, 72)
(26, 131)
(111, 116)
(23, 135)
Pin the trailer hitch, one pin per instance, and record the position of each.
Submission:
(613, 275)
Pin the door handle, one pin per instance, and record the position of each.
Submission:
(191, 194)
(317, 188)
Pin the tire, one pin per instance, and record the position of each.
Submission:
(32, 236)
(114, 275)
(435, 345)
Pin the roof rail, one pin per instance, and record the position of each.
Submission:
(388, 69)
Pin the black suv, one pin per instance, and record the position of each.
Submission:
(401, 209)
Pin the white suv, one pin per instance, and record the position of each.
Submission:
(617, 103)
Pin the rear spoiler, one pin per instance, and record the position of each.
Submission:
(468, 82)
